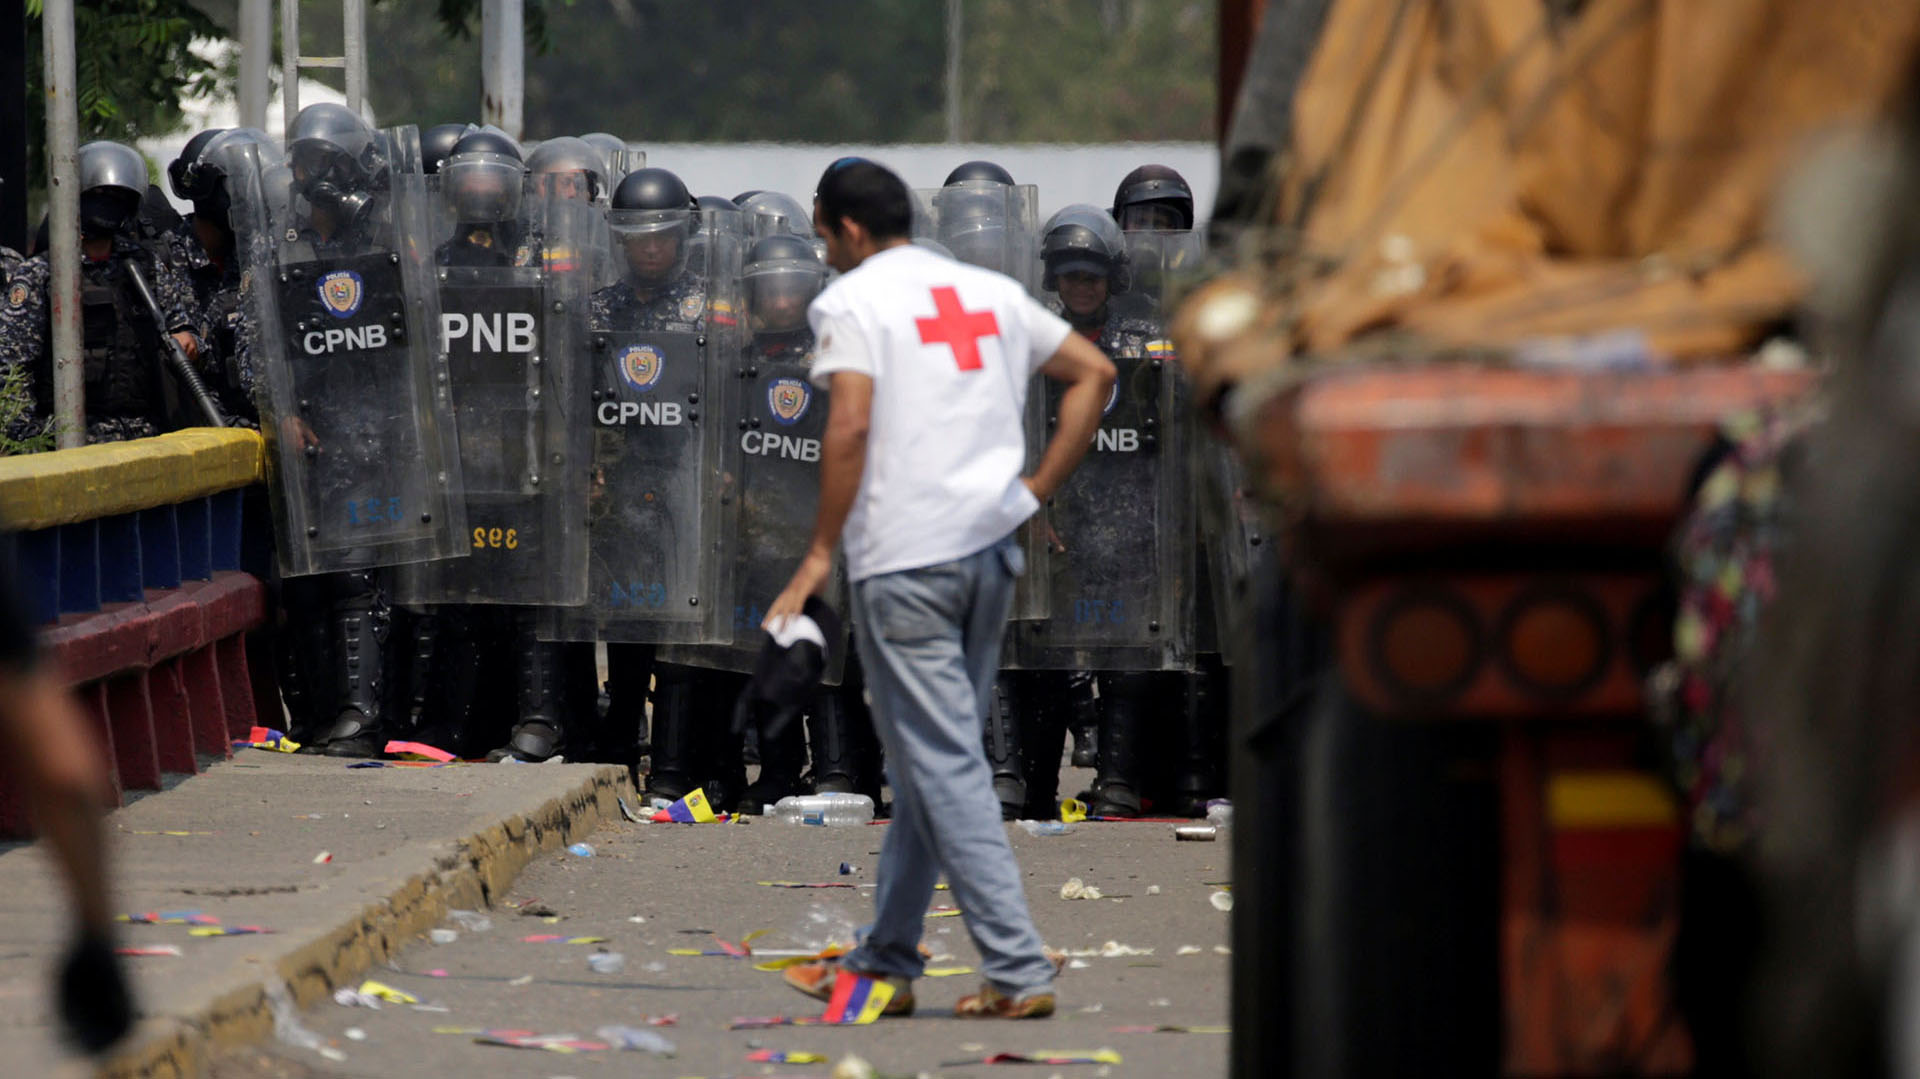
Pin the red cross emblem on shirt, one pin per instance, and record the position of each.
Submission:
(957, 328)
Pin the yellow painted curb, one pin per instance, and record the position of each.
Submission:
(42, 490)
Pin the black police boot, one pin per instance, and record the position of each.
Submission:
(673, 770)
(1043, 700)
(783, 757)
(1003, 751)
(629, 671)
(846, 748)
(360, 638)
(720, 761)
(1125, 704)
(304, 659)
(1201, 735)
(1083, 719)
(542, 732)
(422, 634)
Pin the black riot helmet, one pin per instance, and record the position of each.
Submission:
(333, 158)
(113, 181)
(177, 172)
(207, 173)
(979, 170)
(482, 178)
(770, 212)
(568, 156)
(974, 219)
(1153, 197)
(436, 143)
(651, 218)
(781, 277)
(1082, 238)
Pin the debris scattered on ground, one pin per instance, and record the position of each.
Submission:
(323, 857)
(627, 811)
(355, 1034)
(153, 951)
(805, 884)
(1222, 901)
(636, 1039)
(1044, 1056)
(537, 910)
(1072, 810)
(168, 917)
(1044, 827)
(470, 920)
(1153, 889)
(1075, 888)
(1221, 949)
(287, 1027)
(267, 738)
(1187, 949)
(786, 1056)
(524, 979)
(583, 850)
(418, 751)
(848, 869)
(1196, 833)
(442, 936)
(1169, 1028)
(606, 962)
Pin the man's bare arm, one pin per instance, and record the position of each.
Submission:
(1089, 376)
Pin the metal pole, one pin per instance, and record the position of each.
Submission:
(355, 35)
(953, 70)
(256, 49)
(503, 64)
(289, 61)
(13, 124)
(63, 225)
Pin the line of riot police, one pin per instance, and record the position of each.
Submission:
(519, 402)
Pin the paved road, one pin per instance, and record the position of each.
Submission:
(650, 888)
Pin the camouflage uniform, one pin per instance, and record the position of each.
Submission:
(225, 298)
(126, 386)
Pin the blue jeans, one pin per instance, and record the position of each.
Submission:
(930, 641)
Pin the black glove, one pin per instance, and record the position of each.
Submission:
(95, 1007)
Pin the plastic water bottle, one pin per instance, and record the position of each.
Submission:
(1220, 813)
(604, 962)
(828, 810)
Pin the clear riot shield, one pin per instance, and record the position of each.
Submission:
(779, 425)
(362, 466)
(1233, 539)
(511, 320)
(1121, 581)
(662, 501)
(996, 226)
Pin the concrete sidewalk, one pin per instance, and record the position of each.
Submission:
(407, 844)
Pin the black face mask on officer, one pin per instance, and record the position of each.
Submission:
(105, 211)
(331, 184)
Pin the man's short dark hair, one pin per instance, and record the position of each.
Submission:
(859, 190)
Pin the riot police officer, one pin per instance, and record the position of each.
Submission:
(335, 166)
(1088, 267)
(129, 392)
(569, 168)
(205, 245)
(653, 218)
(481, 180)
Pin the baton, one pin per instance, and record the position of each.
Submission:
(176, 355)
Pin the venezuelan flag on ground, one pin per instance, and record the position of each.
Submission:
(693, 809)
(857, 999)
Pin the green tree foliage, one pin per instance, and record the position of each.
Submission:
(805, 70)
(132, 68)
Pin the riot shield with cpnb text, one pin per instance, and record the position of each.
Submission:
(510, 333)
(362, 465)
(1121, 581)
(663, 497)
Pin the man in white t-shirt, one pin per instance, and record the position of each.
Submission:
(928, 361)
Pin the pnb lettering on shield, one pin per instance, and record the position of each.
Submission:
(510, 331)
(1117, 440)
(642, 413)
(344, 339)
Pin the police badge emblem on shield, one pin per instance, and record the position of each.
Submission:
(641, 366)
(342, 292)
(692, 307)
(788, 398)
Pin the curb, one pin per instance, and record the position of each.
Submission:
(467, 876)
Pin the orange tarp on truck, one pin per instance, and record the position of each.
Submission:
(1481, 172)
